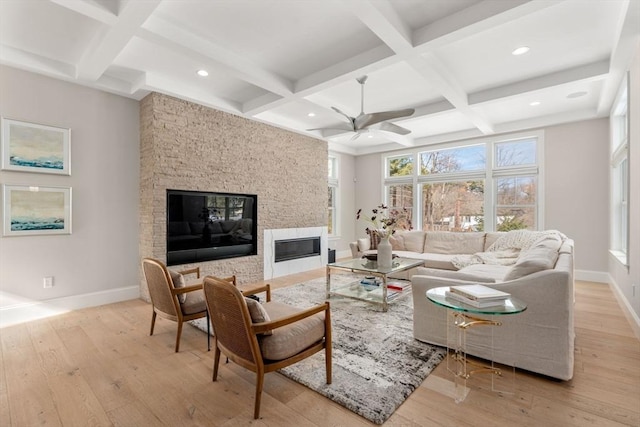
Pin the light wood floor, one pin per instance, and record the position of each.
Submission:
(99, 367)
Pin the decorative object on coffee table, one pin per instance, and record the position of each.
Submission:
(384, 253)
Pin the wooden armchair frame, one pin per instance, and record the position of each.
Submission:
(236, 335)
(164, 297)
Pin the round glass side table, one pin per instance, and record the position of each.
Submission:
(463, 317)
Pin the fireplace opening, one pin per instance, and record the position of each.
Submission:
(296, 248)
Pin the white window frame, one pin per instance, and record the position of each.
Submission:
(489, 175)
(620, 214)
(334, 183)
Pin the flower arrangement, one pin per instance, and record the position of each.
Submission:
(386, 221)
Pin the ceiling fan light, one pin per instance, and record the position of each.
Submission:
(520, 50)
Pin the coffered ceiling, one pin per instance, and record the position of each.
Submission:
(287, 62)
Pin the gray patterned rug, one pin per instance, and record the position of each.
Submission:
(377, 363)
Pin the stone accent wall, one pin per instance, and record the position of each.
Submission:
(187, 146)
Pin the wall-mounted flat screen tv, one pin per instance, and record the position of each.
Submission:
(205, 226)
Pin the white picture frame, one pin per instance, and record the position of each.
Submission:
(31, 210)
(32, 147)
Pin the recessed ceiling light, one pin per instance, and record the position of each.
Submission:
(203, 73)
(369, 136)
(311, 114)
(520, 51)
(534, 103)
(576, 94)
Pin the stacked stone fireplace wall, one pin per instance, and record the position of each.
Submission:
(187, 146)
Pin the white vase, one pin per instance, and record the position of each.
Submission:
(384, 253)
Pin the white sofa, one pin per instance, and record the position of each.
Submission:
(536, 267)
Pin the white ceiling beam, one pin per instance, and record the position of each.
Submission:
(108, 44)
(169, 35)
(36, 63)
(441, 79)
(593, 71)
(470, 21)
(92, 9)
(626, 46)
(383, 20)
(168, 86)
(324, 79)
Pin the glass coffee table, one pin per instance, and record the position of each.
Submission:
(377, 294)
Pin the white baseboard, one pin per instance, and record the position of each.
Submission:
(631, 315)
(592, 276)
(33, 310)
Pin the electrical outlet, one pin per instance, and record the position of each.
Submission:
(48, 282)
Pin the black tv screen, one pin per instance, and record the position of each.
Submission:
(205, 226)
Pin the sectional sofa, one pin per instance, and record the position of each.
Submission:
(535, 267)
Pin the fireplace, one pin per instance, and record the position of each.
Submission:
(296, 248)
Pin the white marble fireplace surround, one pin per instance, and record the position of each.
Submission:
(276, 269)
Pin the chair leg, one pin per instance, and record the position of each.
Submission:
(153, 322)
(259, 383)
(178, 337)
(216, 362)
(208, 332)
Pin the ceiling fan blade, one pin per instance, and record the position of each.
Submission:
(390, 127)
(364, 120)
(349, 118)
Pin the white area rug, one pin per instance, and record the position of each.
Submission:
(377, 363)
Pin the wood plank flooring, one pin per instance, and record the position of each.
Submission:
(99, 367)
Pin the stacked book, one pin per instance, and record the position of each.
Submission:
(370, 283)
(478, 296)
(395, 289)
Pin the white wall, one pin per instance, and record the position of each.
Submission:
(576, 189)
(99, 261)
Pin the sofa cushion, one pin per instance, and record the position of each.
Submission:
(290, 339)
(412, 241)
(491, 237)
(531, 261)
(396, 244)
(447, 242)
(458, 275)
(496, 272)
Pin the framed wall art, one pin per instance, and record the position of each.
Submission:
(30, 210)
(31, 147)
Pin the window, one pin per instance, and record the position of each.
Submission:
(400, 198)
(400, 166)
(492, 184)
(620, 174)
(332, 196)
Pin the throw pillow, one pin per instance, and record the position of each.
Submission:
(257, 312)
(375, 239)
(532, 261)
(178, 282)
(364, 244)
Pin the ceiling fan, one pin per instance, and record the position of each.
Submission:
(366, 122)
